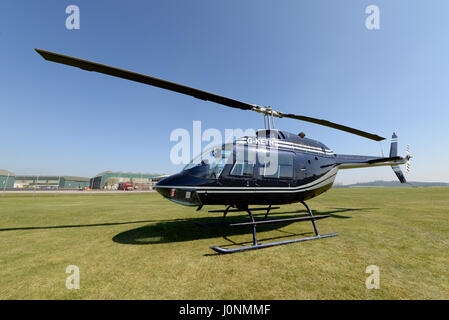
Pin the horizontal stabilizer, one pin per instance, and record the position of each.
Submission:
(379, 160)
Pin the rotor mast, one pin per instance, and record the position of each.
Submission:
(269, 114)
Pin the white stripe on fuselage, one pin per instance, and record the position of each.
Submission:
(274, 190)
(284, 144)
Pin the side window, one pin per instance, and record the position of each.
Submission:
(286, 165)
(242, 169)
(284, 169)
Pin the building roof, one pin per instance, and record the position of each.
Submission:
(41, 177)
(75, 178)
(124, 174)
(6, 173)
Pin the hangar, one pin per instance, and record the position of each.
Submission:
(52, 182)
(7, 179)
(104, 180)
(111, 180)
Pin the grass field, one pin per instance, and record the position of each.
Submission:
(140, 246)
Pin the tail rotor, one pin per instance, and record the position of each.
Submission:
(408, 157)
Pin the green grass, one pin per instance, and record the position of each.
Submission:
(140, 246)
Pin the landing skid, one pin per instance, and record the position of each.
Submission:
(270, 244)
(254, 224)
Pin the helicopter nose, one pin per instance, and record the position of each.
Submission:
(174, 189)
(164, 186)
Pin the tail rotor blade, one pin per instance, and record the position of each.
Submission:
(408, 157)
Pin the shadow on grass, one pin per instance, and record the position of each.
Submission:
(333, 212)
(81, 225)
(185, 230)
(190, 221)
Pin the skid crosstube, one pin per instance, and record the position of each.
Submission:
(228, 209)
(254, 224)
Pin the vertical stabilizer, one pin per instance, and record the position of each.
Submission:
(394, 145)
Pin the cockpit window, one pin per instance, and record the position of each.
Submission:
(210, 163)
(244, 163)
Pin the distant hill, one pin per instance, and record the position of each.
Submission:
(393, 184)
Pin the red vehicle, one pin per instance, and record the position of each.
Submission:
(126, 186)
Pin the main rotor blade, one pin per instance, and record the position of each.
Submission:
(334, 125)
(129, 75)
(199, 94)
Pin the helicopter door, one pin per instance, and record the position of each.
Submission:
(241, 177)
(275, 169)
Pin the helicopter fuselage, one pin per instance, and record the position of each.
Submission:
(305, 168)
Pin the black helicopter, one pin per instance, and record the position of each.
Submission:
(274, 167)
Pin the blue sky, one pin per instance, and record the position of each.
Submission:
(314, 58)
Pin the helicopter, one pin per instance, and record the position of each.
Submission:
(273, 168)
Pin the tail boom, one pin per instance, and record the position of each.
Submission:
(393, 160)
(354, 161)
